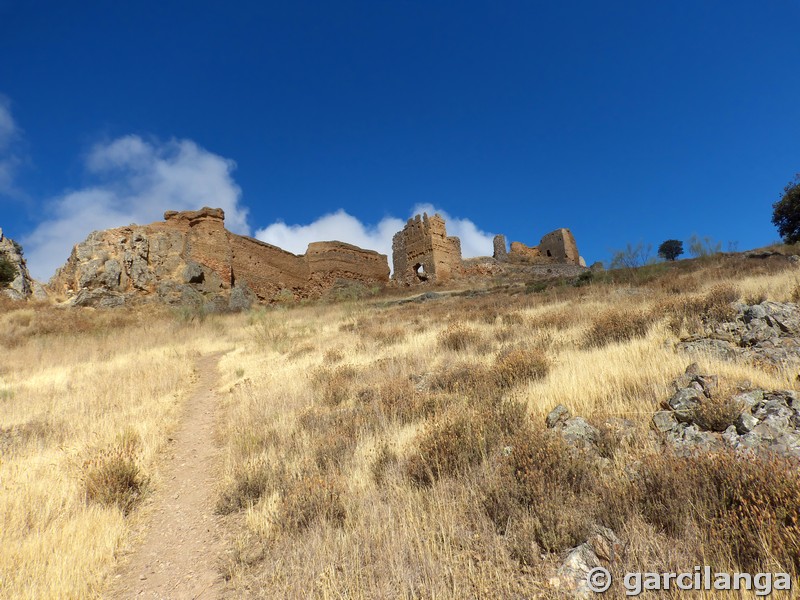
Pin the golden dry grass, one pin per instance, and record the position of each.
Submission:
(364, 442)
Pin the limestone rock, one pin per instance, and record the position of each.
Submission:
(190, 258)
(769, 421)
(767, 333)
(22, 287)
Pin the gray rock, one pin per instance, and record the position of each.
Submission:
(579, 433)
(708, 347)
(684, 402)
(664, 421)
(575, 569)
(746, 423)
(241, 298)
(750, 399)
(111, 273)
(193, 273)
(97, 298)
(559, 414)
(731, 436)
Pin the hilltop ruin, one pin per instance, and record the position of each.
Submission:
(557, 247)
(423, 253)
(190, 258)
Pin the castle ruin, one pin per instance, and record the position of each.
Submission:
(422, 251)
(557, 247)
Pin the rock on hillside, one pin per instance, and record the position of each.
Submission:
(22, 286)
(190, 258)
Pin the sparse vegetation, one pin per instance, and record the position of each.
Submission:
(372, 449)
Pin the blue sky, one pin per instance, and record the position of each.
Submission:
(624, 121)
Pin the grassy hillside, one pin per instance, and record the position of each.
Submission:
(380, 448)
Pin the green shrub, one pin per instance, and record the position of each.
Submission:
(8, 271)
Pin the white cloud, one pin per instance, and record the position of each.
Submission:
(343, 227)
(338, 226)
(138, 181)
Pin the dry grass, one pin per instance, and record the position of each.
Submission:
(89, 401)
(384, 450)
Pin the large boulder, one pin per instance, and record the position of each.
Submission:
(22, 286)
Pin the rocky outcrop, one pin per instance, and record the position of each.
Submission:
(190, 258)
(752, 420)
(766, 333)
(22, 286)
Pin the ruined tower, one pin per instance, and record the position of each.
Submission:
(422, 251)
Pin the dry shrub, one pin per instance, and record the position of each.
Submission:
(693, 313)
(794, 295)
(312, 498)
(34, 431)
(717, 413)
(398, 400)
(334, 385)
(513, 319)
(520, 366)
(616, 326)
(558, 318)
(448, 446)
(747, 507)
(521, 535)
(251, 480)
(345, 421)
(459, 337)
(385, 460)
(469, 378)
(333, 447)
(333, 356)
(549, 485)
(113, 477)
(386, 336)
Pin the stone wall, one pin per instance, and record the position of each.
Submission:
(191, 257)
(423, 251)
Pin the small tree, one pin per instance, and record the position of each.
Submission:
(631, 256)
(7, 271)
(702, 247)
(670, 249)
(786, 212)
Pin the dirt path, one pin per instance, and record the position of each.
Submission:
(180, 552)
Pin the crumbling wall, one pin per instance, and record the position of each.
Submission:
(191, 257)
(557, 247)
(499, 247)
(560, 245)
(423, 251)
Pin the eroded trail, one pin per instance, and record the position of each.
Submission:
(181, 550)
